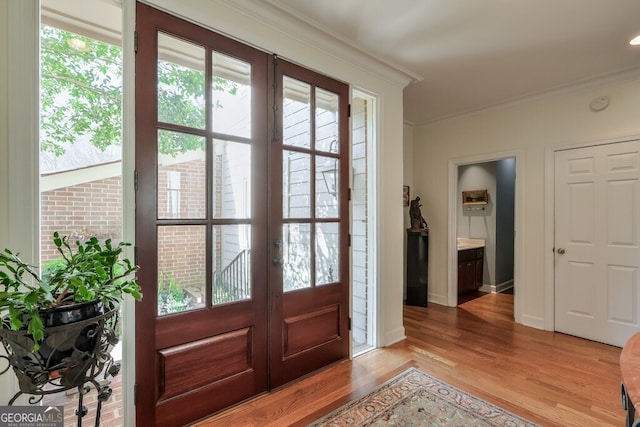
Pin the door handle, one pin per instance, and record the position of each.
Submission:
(561, 251)
(277, 261)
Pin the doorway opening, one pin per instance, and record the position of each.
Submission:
(485, 228)
(484, 255)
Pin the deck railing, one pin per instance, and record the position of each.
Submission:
(233, 283)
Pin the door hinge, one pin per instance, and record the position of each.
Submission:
(349, 239)
(135, 394)
(349, 323)
(135, 255)
(349, 110)
(349, 194)
(135, 180)
(135, 41)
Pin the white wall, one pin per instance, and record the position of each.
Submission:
(558, 119)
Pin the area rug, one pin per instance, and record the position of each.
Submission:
(414, 398)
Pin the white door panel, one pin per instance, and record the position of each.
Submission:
(597, 224)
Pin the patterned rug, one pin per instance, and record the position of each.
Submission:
(414, 398)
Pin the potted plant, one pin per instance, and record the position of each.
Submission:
(63, 321)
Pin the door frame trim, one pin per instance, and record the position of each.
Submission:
(518, 248)
(549, 217)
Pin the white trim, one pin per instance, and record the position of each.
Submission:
(533, 321)
(270, 13)
(372, 222)
(128, 203)
(23, 75)
(23, 123)
(519, 254)
(438, 299)
(394, 336)
(496, 289)
(549, 215)
(55, 181)
(629, 74)
(282, 28)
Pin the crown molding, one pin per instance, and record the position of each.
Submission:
(629, 74)
(273, 14)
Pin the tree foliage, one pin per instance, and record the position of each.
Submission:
(81, 94)
(80, 90)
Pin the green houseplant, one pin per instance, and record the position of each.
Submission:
(86, 272)
(58, 328)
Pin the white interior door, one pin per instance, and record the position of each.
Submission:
(597, 242)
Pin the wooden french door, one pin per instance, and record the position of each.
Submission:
(309, 226)
(241, 221)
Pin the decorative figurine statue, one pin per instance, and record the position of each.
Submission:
(417, 221)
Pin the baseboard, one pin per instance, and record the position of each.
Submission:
(394, 337)
(493, 289)
(501, 287)
(437, 299)
(533, 321)
(489, 289)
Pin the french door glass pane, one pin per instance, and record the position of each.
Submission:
(296, 115)
(231, 95)
(231, 179)
(327, 252)
(181, 176)
(296, 253)
(231, 263)
(327, 178)
(327, 114)
(181, 82)
(296, 181)
(181, 268)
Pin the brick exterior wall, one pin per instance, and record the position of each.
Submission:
(81, 211)
(95, 209)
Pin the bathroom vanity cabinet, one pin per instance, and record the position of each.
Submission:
(470, 269)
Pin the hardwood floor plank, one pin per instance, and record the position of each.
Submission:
(550, 378)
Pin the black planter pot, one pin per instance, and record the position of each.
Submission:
(71, 313)
(53, 353)
(77, 341)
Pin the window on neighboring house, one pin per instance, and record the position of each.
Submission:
(173, 193)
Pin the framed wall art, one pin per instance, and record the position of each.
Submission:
(475, 197)
(405, 195)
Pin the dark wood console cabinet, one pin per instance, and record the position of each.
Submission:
(417, 267)
(470, 269)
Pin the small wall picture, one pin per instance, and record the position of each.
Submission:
(475, 197)
(405, 195)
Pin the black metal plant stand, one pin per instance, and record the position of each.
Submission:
(76, 355)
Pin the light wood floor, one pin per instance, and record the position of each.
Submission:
(550, 378)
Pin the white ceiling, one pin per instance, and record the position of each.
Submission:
(472, 54)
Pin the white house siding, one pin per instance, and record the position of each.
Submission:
(360, 238)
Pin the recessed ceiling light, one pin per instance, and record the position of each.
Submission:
(635, 41)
